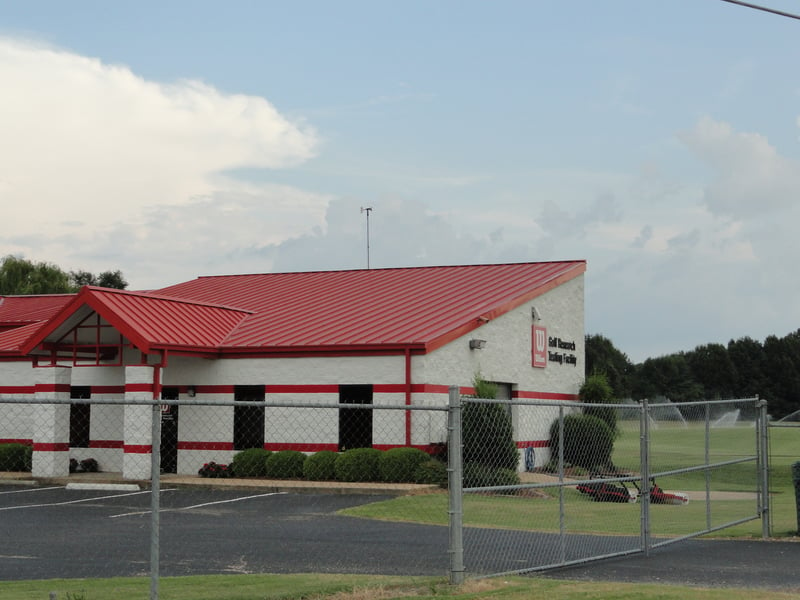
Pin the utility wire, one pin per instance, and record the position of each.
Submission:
(764, 8)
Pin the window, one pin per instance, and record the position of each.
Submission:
(79, 417)
(248, 421)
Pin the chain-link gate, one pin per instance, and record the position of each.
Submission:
(611, 480)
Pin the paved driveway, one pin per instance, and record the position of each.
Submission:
(53, 532)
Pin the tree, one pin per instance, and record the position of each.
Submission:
(106, 279)
(668, 376)
(21, 277)
(603, 357)
(712, 368)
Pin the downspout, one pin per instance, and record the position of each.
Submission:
(408, 395)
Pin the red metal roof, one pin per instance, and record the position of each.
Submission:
(152, 322)
(20, 310)
(422, 308)
(12, 340)
(377, 310)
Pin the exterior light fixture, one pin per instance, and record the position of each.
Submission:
(476, 344)
(535, 314)
(191, 391)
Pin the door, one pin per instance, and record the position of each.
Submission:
(355, 424)
(169, 431)
(248, 421)
(79, 417)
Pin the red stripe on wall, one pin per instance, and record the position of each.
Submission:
(17, 389)
(543, 395)
(208, 389)
(138, 387)
(51, 387)
(429, 388)
(325, 388)
(51, 447)
(136, 448)
(205, 445)
(534, 444)
(106, 444)
(16, 441)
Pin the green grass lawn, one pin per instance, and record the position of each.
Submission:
(363, 587)
(672, 448)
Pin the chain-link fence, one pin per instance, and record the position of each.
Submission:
(245, 485)
(611, 479)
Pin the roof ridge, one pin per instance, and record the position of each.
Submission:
(176, 299)
(365, 270)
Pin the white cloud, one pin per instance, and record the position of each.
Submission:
(89, 147)
(752, 178)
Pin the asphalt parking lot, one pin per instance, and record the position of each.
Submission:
(52, 532)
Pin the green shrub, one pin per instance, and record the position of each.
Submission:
(432, 472)
(250, 463)
(320, 466)
(588, 442)
(358, 464)
(285, 464)
(597, 390)
(478, 475)
(399, 464)
(15, 457)
(488, 436)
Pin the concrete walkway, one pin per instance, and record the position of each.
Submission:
(267, 485)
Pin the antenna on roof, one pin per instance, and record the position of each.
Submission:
(367, 210)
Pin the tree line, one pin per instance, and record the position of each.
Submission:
(743, 368)
(21, 277)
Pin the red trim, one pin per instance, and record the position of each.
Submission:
(137, 448)
(543, 395)
(407, 391)
(534, 444)
(205, 445)
(50, 447)
(208, 389)
(116, 444)
(16, 441)
(138, 387)
(17, 389)
(302, 447)
(50, 388)
(324, 388)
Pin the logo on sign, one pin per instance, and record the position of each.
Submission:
(539, 343)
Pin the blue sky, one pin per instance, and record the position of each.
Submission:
(657, 140)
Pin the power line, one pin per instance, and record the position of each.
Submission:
(765, 9)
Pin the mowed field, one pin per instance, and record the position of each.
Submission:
(673, 447)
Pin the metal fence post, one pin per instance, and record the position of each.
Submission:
(155, 499)
(455, 489)
(763, 464)
(644, 459)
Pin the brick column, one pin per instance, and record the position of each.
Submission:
(137, 423)
(51, 423)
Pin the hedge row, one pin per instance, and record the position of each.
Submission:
(15, 457)
(397, 465)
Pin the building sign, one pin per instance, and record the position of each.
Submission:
(562, 351)
(539, 346)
